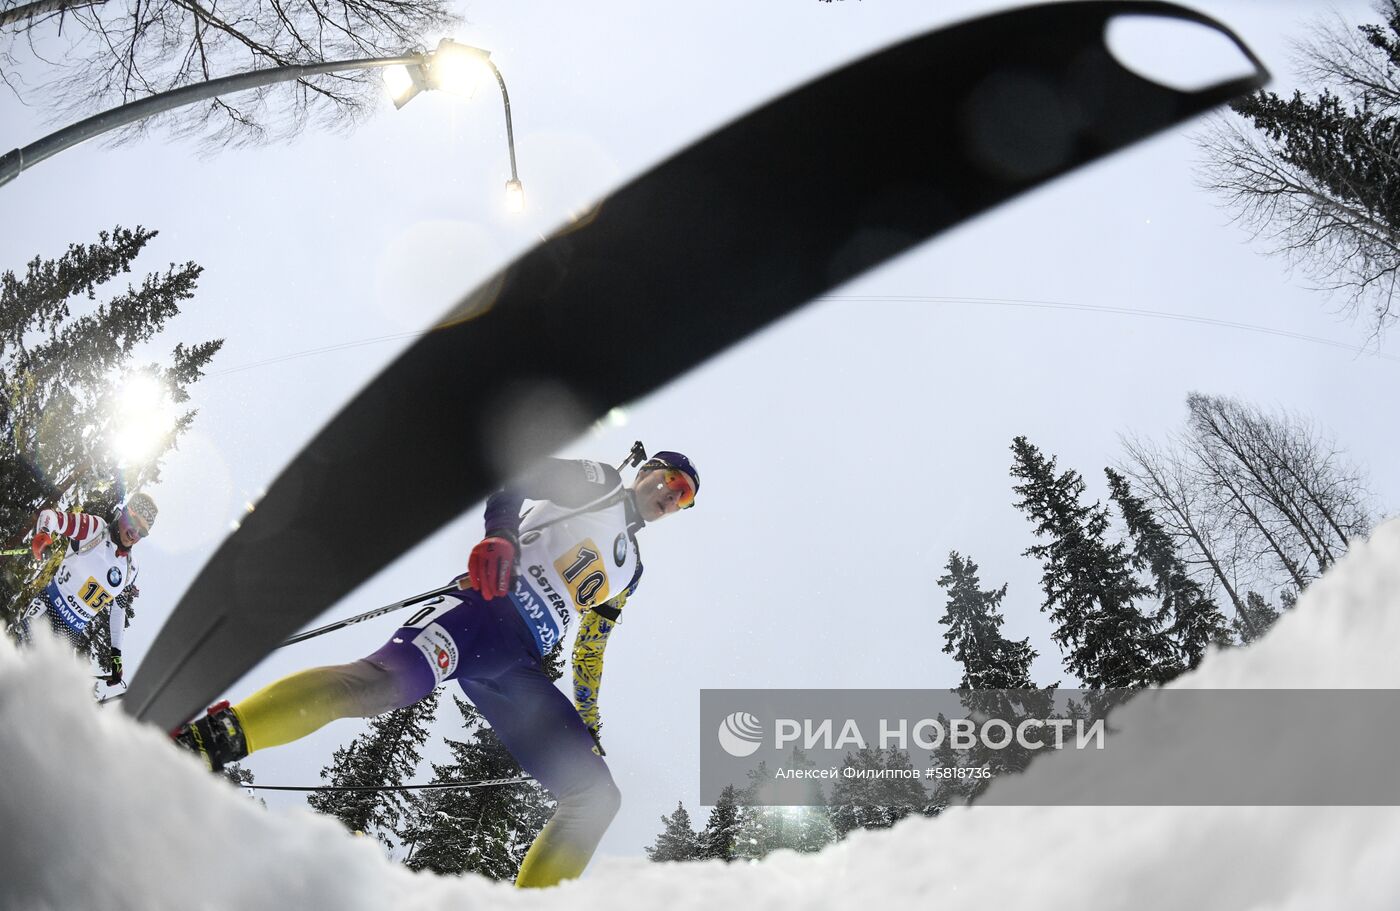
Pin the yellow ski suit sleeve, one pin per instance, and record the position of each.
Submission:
(592, 638)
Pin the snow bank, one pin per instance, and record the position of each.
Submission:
(98, 812)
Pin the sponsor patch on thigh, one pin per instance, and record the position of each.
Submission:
(438, 647)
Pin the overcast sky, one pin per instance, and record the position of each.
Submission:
(844, 452)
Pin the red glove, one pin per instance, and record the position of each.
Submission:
(42, 539)
(491, 566)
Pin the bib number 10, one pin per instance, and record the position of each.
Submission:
(582, 570)
(94, 595)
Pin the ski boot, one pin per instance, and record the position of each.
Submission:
(217, 737)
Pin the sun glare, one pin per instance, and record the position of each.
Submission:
(143, 416)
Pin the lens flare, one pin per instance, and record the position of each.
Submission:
(143, 416)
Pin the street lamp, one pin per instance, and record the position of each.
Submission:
(451, 67)
(460, 69)
(403, 82)
(515, 196)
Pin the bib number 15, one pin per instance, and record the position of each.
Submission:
(94, 595)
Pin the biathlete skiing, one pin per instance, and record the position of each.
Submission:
(97, 570)
(573, 553)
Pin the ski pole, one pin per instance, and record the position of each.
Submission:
(369, 615)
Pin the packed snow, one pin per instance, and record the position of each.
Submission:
(100, 812)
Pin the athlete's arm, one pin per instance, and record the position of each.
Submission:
(116, 614)
(78, 526)
(594, 628)
(571, 483)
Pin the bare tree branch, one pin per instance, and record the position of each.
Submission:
(112, 54)
(1158, 475)
(1319, 177)
(23, 13)
(1257, 501)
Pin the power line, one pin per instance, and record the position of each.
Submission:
(1122, 311)
(905, 298)
(342, 346)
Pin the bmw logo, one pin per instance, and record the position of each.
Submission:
(114, 577)
(620, 549)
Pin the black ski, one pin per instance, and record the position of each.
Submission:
(727, 236)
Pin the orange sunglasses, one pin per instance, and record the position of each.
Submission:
(680, 482)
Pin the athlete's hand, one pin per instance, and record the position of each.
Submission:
(116, 676)
(42, 539)
(491, 566)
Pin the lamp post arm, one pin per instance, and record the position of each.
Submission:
(21, 159)
(41, 7)
(510, 131)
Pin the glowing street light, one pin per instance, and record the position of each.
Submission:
(460, 69)
(454, 67)
(403, 82)
(515, 196)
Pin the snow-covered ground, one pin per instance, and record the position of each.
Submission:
(101, 813)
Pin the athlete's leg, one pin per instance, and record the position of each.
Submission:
(420, 655)
(543, 731)
(26, 616)
(75, 636)
(401, 673)
(295, 706)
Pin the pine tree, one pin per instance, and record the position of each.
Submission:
(678, 840)
(719, 838)
(1090, 587)
(241, 777)
(484, 830)
(65, 361)
(812, 828)
(1195, 622)
(762, 828)
(951, 791)
(382, 758)
(859, 802)
(815, 829)
(996, 679)
(753, 823)
(1319, 175)
(1259, 616)
(973, 635)
(783, 814)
